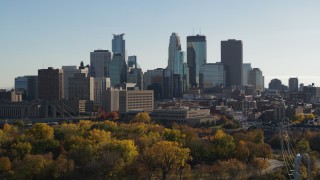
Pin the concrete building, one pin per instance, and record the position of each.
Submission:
(275, 113)
(174, 47)
(29, 84)
(99, 63)
(246, 68)
(16, 95)
(81, 87)
(110, 100)
(196, 57)
(68, 72)
(212, 75)
(182, 115)
(136, 100)
(293, 84)
(50, 84)
(100, 85)
(232, 58)
(311, 94)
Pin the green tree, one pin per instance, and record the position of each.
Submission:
(173, 135)
(259, 164)
(303, 146)
(167, 156)
(256, 136)
(142, 117)
(223, 145)
(20, 149)
(263, 150)
(41, 131)
(126, 148)
(32, 167)
(242, 151)
(5, 164)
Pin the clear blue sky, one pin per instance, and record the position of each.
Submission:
(282, 38)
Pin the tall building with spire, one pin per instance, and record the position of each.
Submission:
(119, 45)
(196, 57)
(174, 47)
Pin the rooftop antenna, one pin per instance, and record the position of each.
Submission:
(200, 31)
(193, 32)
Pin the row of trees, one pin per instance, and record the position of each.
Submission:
(136, 150)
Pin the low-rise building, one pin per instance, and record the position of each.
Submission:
(133, 100)
(183, 115)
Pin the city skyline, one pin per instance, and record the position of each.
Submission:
(278, 37)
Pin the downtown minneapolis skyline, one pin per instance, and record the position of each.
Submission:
(279, 37)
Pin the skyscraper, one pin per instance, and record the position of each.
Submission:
(293, 84)
(178, 73)
(196, 57)
(231, 57)
(161, 81)
(246, 68)
(119, 44)
(179, 59)
(118, 70)
(29, 84)
(256, 79)
(132, 62)
(212, 75)
(174, 47)
(50, 84)
(68, 72)
(81, 87)
(99, 63)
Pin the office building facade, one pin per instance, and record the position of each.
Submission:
(246, 68)
(160, 81)
(256, 79)
(81, 87)
(232, 59)
(212, 75)
(50, 84)
(293, 84)
(136, 100)
(118, 70)
(196, 57)
(174, 47)
(29, 84)
(99, 63)
(100, 85)
(119, 45)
